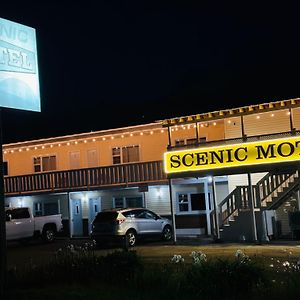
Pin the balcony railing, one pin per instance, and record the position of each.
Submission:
(238, 140)
(122, 175)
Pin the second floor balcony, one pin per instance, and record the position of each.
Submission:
(123, 175)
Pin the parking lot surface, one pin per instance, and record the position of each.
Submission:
(35, 252)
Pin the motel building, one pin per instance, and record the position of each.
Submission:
(229, 174)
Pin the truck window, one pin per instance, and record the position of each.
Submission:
(19, 213)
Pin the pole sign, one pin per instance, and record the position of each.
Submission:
(19, 77)
(232, 156)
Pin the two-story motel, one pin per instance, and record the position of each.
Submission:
(241, 161)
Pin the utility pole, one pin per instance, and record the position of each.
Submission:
(3, 254)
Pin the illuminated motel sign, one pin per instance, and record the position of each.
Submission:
(19, 78)
(233, 156)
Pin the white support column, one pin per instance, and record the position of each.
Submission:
(172, 211)
(208, 223)
(216, 214)
(251, 203)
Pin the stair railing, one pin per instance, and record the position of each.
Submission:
(271, 182)
(237, 200)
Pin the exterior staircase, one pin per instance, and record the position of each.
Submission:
(235, 211)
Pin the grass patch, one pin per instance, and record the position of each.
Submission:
(77, 272)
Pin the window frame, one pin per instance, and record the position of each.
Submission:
(40, 164)
(124, 199)
(121, 154)
(189, 203)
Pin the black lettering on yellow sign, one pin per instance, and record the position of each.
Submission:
(235, 155)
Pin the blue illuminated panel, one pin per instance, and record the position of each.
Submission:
(19, 77)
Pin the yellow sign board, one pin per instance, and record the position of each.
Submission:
(237, 155)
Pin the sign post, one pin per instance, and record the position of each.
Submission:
(19, 89)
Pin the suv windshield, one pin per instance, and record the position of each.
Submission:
(106, 216)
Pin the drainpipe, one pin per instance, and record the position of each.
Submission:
(251, 204)
(172, 212)
(70, 216)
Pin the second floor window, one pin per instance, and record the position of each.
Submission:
(125, 154)
(44, 163)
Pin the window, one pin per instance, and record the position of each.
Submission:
(189, 203)
(38, 211)
(44, 163)
(5, 168)
(92, 158)
(120, 202)
(125, 154)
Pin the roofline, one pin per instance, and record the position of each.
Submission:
(233, 112)
(92, 134)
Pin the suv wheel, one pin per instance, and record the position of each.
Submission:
(131, 238)
(167, 233)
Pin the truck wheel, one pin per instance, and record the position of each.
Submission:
(48, 235)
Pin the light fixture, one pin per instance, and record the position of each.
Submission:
(151, 132)
(85, 141)
(94, 140)
(103, 139)
(68, 143)
(131, 134)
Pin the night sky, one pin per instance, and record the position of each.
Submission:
(121, 63)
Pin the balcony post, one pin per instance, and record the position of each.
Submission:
(251, 204)
(291, 120)
(169, 138)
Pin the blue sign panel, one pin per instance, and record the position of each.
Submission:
(19, 77)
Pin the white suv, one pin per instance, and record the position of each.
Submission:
(128, 224)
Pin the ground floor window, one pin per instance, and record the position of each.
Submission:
(45, 209)
(122, 202)
(190, 202)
